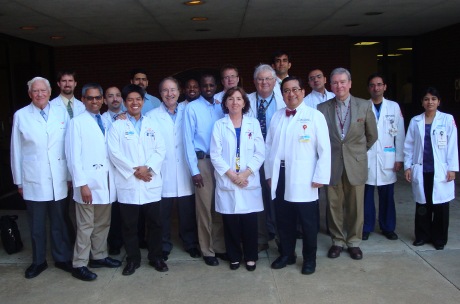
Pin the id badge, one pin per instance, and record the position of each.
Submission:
(441, 139)
(129, 135)
(304, 138)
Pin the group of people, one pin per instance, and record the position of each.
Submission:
(240, 169)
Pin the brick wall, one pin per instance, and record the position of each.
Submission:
(111, 64)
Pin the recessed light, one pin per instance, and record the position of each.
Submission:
(405, 49)
(373, 13)
(28, 28)
(193, 3)
(57, 37)
(199, 18)
(394, 55)
(352, 24)
(365, 43)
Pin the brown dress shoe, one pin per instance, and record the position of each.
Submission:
(334, 251)
(355, 253)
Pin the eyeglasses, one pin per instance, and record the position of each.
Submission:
(266, 79)
(312, 78)
(293, 90)
(91, 98)
(230, 77)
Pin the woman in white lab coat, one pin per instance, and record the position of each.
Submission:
(430, 162)
(237, 152)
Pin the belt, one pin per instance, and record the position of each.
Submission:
(201, 155)
(282, 165)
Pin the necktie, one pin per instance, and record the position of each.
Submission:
(261, 118)
(289, 112)
(99, 122)
(44, 115)
(69, 109)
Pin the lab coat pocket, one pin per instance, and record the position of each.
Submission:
(389, 159)
(442, 175)
(32, 171)
(224, 183)
(253, 181)
(97, 179)
(156, 182)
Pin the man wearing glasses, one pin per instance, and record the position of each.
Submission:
(319, 94)
(230, 79)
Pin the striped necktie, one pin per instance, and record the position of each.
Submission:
(69, 109)
(45, 117)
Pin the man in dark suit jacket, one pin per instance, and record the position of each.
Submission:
(352, 131)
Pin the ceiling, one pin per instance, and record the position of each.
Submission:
(85, 22)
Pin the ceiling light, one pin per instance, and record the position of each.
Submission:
(57, 37)
(28, 28)
(199, 18)
(365, 43)
(379, 55)
(373, 13)
(394, 55)
(405, 49)
(192, 3)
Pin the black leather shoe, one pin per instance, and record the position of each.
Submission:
(130, 268)
(355, 253)
(308, 267)
(66, 266)
(114, 251)
(211, 261)
(234, 266)
(165, 255)
(366, 236)
(34, 270)
(222, 256)
(418, 243)
(334, 251)
(282, 261)
(250, 267)
(438, 246)
(159, 265)
(390, 235)
(194, 253)
(107, 262)
(84, 274)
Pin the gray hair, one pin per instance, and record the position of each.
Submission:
(33, 80)
(91, 85)
(341, 71)
(264, 68)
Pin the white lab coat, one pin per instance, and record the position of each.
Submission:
(445, 156)
(307, 153)
(77, 107)
(127, 150)
(88, 159)
(253, 103)
(38, 160)
(231, 199)
(174, 171)
(389, 147)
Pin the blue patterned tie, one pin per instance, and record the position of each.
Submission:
(44, 115)
(99, 122)
(261, 118)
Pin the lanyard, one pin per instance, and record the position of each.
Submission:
(265, 108)
(342, 123)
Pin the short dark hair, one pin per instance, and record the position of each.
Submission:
(130, 88)
(289, 78)
(206, 76)
(228, 67)
(91, 85)
(279, 53)
(137, 71)
(433, 91)
(65, 72)
(229, 93)
(375, 75)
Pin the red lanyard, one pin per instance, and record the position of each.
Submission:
(342, 123)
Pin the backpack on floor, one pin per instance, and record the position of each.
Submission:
(11, 238)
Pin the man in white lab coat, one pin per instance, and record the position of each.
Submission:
(297, 163)
(39, 168)
(89, 165)
(137, 150)
(67, 84)
(385, 158)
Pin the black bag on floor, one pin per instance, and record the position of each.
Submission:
(11, 238)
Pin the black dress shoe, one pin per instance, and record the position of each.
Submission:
(234, 266)
(438, 246)
(418, 243)
(107, 262)
(165, 255)
(390, 235)
(250, 267)
(34, 270)
(130, 268)
(222, 256)
(366, 236)
(194, 253)
(282, 261)
(355, 253)
(334, 251)
(211, 261)
(84, 274)
(66, 266)
(159, 265)
(114, 251)
(308, 267)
